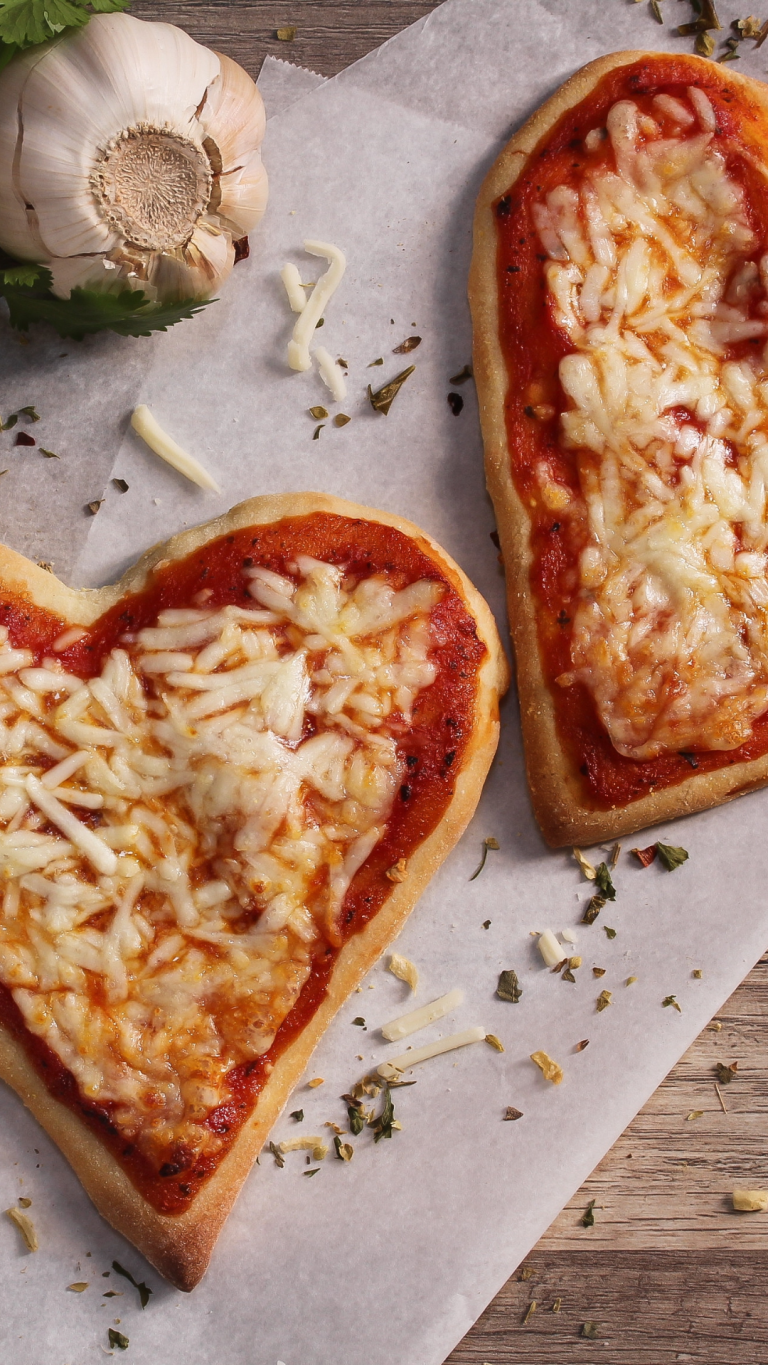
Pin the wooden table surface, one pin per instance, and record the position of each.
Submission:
(668, 1272)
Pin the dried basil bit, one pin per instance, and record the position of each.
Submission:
(671, 857)
(556, 1305)
(748, 28)
(694, 1114)
(568, 975)
(359, 1021)
(671, 1000)
(356, 1116)
(120, 485)
(341, 419)
(51, 455)
(286, 34)
(592, 909)
(78, 1287)
(489, 843)
(725, 1074)
(645, 856)
(590, 1330)
(314, 1171)
(94, 506)
(598, 971)
(298, 1115)
(603, 1001)
(380, 361)
(486, 924)
(31, 412)
(316, 432)
(656, 12)
(610, 932)
(588, 1217)
(581, 1046)
(511, 1114)
(116, 1339)
(603, 882)
(697, 973)
(527, 1272)
(509, 987)
(277, 1154)
(343, 363)
(462, 376)
(409, 344)
(23, 438)
(382, 1124)
(704, 45)
(318, 413)
(144, 1290)
(12, 420)
(494, 1042)
(383, 398)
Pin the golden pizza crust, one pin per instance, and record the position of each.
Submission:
(180, 1245)
(555, 785)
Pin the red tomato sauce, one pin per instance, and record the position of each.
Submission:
(533, 346)
(432, 747)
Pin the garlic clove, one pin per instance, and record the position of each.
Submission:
(18, 226)
(197, 271)
(233, 115)
(244, 195)
(91, 272)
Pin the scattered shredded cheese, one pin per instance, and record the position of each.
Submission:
(149, 429)
(404, 969)
(406, 1024)
(331, 373)
(26, 1228)
(392, 1069)
(306, 1143)
(550, 1069)
(550, 949)
(306, 323)
(293, 287)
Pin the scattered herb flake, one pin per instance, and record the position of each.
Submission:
(277, 1154)
(749, 27)
(598, 971)
(356, 1115)
(51, 455)
(341, 419)
(671, 857)
(590, 1330)
(530, 1310)
(343, 363)
(380, 361)
(655, 11)
(556, 1305)
(286, 34)
(611, 933)
(462, 376)
(509, 987)
(117, 1339)
(359, 1021)
(527, 1272)
(588, 1217)
(455, 403)
(383, 398)
(603, 1001)
(548, 1067)
(615, 851)
(112, 1294)
(314, 1171)
(589, 871)
(383, 1123)
(690, 759)
(694, 1114)
(494, 1042)
(78, 1287)
(31, 412)
(94, 506)
(298, 1115)
(763, 35)
(404, 970)
(592, 909)
(568, 975)
(344, 1150)
(493, 845)
(511, 1114)
(12, 420)
(581, 1046)
(630, 981)
(316, 432)
(603, 882)
(318, 412)
(671, 1000)
(318, 1080)
(719, 1094)
(25, 1203)
(486, 924)
(120, 484)
(409, 344)
(645, 856)
(725, 1074)
(144, 1290)
(704, 45)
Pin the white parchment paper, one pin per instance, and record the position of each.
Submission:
(402, 1248)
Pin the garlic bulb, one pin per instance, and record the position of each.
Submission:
(129, 154)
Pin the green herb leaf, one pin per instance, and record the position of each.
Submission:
(277, 1154)
(610, 932)
(671, 857)
(380, 361)
(31, 412)
(603, 882)
(671, 1000)
(588, 1219)
(344, 1150)
(144, 1290)
(359, 1021)
(590, 1330)
(21, 274)
(298, 1115)
(383, 1122)
(356, 1119)
(25, 23)
(509, 987)
(51, 455)
(129, 312)
(488, 844)
(117, 1339)
(592, 909)
(12, 420)
(383, 398)
(462, 376)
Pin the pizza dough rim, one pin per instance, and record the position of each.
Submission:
(180, 1246)
(554, 782)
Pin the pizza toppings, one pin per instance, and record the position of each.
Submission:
(656, 276)
(148, 428)
(178, 833)
(407, 1024)
(393, 1068)
(400, 966)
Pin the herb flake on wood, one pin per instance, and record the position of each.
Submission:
(588, 1217)
(383, 398)
(725, 1074)
(488, 844)
(509, 987)
(286, 34)
(590, 1330)
(603, 882)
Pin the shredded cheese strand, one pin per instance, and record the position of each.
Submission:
(392, 1069)
(306, 323)
(407, 1024)
(148, 428)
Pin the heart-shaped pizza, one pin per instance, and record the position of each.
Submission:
(224, 782)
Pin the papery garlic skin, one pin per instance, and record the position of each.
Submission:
(129, 154)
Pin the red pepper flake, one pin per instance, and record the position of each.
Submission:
(242, 249)
(455, 403)
(645, 855)
(23, 438)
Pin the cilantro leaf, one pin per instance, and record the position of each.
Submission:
(116, 1339)
(129, 312)
(603, 882)
(144, 1289)
(671, 857)
(25, 23)
(21, 274)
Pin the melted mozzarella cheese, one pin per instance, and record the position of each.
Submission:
(654, 274)
(177, 835)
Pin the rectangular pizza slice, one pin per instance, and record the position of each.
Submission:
(619, 291)
(224, 782)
